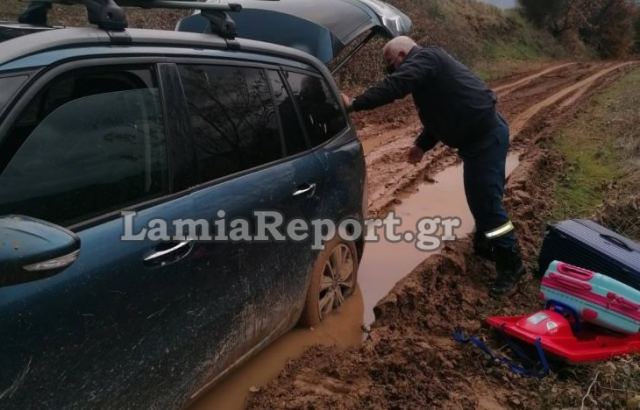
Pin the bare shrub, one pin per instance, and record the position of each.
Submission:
(622, 215)
(605, 25)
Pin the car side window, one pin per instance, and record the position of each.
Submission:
(321, 112)
(294, 138)
(8, 86)
(233, 118)
(91, 142)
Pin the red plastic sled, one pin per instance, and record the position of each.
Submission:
(589, 344)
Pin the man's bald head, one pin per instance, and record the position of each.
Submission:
(396, 50)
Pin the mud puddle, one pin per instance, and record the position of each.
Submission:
(341, 330)
(385, 263)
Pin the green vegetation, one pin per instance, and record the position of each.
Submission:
(602, 152)
(592, 165)
(525, 45)
(494, 42)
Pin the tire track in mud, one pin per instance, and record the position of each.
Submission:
(409, 359)
(386, 142)
(507, 89)
(574, 92)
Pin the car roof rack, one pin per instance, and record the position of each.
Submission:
(109, 15)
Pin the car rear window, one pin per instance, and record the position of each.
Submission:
(294, 138)
(321, 112)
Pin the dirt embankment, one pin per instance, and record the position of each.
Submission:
(493, 42)
(409, 359)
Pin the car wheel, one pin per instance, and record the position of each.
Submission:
(334, 278)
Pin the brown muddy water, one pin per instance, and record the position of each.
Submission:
(342, 330)
(384, 264)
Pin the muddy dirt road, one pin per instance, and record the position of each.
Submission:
(534, 104)
(387, 133)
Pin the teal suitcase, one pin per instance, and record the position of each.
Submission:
(596, 298)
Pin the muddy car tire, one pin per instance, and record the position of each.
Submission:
(333, 279)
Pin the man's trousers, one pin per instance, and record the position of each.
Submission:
(484, 181)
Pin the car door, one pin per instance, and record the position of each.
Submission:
(336, 144)
(120, 326)
(251, 155)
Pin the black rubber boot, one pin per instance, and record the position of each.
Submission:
(482, 246)
(35, 14)
(510, 270)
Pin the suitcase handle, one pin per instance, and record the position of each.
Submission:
(622, 302)
(617, 241)
(575, 272)
(569, 282)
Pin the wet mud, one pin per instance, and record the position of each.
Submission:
(340, 331)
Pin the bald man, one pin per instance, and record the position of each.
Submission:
(458, 109)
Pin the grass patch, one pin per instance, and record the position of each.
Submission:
(591, 163)
(601, 151)
(515, 45)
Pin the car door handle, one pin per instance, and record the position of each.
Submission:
(179, 250)
(305, 189)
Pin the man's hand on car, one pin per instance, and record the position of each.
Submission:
(347, 101)
(415, 155)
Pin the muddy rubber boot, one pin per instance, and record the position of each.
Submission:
(482, 247)
(510, 270)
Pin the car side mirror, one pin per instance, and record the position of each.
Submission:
(32, 249)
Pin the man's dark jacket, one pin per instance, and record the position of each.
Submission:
(455, 106)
